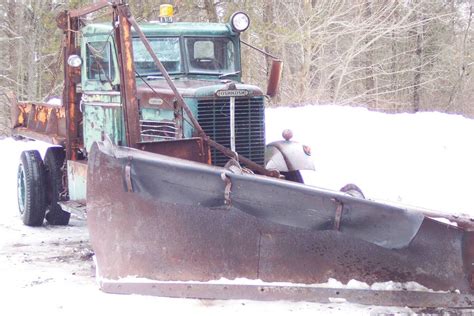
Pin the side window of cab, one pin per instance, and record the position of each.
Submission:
(99, 61)
(100, 67)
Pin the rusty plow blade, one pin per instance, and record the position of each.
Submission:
(171, 227)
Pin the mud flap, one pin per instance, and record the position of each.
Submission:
(165, 219)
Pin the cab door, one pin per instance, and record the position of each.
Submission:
(100, 103)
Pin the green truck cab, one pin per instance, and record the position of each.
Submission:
(201, 58)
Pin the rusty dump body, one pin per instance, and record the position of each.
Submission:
(164, 221)
(40, 121)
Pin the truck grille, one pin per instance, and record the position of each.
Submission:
(152, 131)
(214, 117)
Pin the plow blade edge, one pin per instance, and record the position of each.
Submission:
(166, 221)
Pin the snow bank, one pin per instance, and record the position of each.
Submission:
(422, 159)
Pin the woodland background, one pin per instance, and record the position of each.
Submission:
(392, 56)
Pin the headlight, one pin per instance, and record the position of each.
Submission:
(239, 21)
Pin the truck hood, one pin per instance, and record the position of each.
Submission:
(189, 88)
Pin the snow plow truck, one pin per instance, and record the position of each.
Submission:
(159, 143)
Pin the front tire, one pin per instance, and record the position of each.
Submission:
(31, 188)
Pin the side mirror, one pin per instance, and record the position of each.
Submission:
(275, 77)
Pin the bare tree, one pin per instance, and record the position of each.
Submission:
(388, 55)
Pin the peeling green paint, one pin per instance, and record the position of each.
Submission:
(107, 119)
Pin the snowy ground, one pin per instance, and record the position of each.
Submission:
(421, 159)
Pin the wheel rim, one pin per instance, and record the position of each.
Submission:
(21, 189)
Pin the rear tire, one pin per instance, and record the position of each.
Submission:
(31, 188)
(53, 161)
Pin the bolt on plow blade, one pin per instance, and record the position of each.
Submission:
(171, 227)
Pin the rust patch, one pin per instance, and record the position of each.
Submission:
(193, 149)
(42, 114)
(275, 77)
(40, 121)
(127, 77)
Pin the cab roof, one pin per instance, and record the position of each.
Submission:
(167, 29)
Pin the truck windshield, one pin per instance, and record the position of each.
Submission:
(166, 49)
(213, 55)
(204, 55)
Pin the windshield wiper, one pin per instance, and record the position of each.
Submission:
(229, 74)
(148, 76)
(153, 77)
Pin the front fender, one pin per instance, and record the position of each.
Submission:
(287, 156)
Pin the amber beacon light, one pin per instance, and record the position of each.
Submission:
(166, 13)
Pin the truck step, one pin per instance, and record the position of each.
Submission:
(78, 208)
